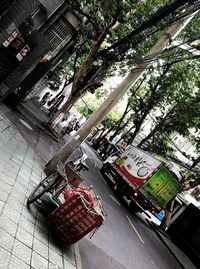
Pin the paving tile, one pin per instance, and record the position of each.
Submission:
(56, 245)
(23, 182)
(7, 179)
(69, 255)
(11, 213)
(38, 262)
(42, 225)
(67, 248)
(11, 169)
(34, 182)
(6, 155)
(19, 187)
(24, 173)
(26, 225)
(55, 258)
(14, 203)
(3, 196)
(20, 196)
(29, 214)
(25, 237)
(16, 263)
(1, 206)
(41, 221)
(36, 176)
(38, 168)
(22, 251)
(4, 258)
(41, 217)
(8, 225)
(5, 187)
(16, 160)
(41, 248)
(52, 266)
(21, 178)
(40, 235)
(26, 163)
(10, 173)
(2, 162)
(68, 265)
(6, 240)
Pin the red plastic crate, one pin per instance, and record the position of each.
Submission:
(74, 219)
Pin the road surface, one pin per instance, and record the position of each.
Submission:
(125, 241)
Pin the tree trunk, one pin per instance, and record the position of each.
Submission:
(120, 128)
(195, 162)
(60, 115)
(99, 141)
(127, 133)
(100, 131)
(137, 128)
(149, 136)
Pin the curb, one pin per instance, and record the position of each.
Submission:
(77, 256)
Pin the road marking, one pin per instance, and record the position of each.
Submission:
(134, 229)
(26, 124)
(115, 200)
(154, 264)
(102, 178)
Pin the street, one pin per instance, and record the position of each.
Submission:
(125, 241)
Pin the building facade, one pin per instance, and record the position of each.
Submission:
(35, 35)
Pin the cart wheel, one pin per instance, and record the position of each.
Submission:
(44, 186)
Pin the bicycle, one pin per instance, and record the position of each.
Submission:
(56, 182)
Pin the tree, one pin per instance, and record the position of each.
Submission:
(159, 88)
(91, 102)
(130, 80)
(181, 118)
(125, 46)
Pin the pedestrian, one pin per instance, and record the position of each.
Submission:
(64, 94)
(45, 98)
(49, 99)
(69, 127)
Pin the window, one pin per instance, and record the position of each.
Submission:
(59, 34)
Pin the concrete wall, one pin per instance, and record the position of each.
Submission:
(51, 5)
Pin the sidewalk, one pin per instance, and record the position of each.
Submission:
(25, 241)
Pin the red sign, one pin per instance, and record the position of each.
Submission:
(23, 52)
(10, 39)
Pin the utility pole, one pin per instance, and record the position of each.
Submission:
(64, 153)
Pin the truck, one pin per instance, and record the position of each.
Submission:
(144, 181)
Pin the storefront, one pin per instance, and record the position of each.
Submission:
(14, 49)
(35, 43)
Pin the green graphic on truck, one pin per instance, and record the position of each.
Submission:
(142, 179)
(161, 187)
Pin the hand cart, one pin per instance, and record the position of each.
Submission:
(74, 217)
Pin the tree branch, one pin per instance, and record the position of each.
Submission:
(159, 15)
